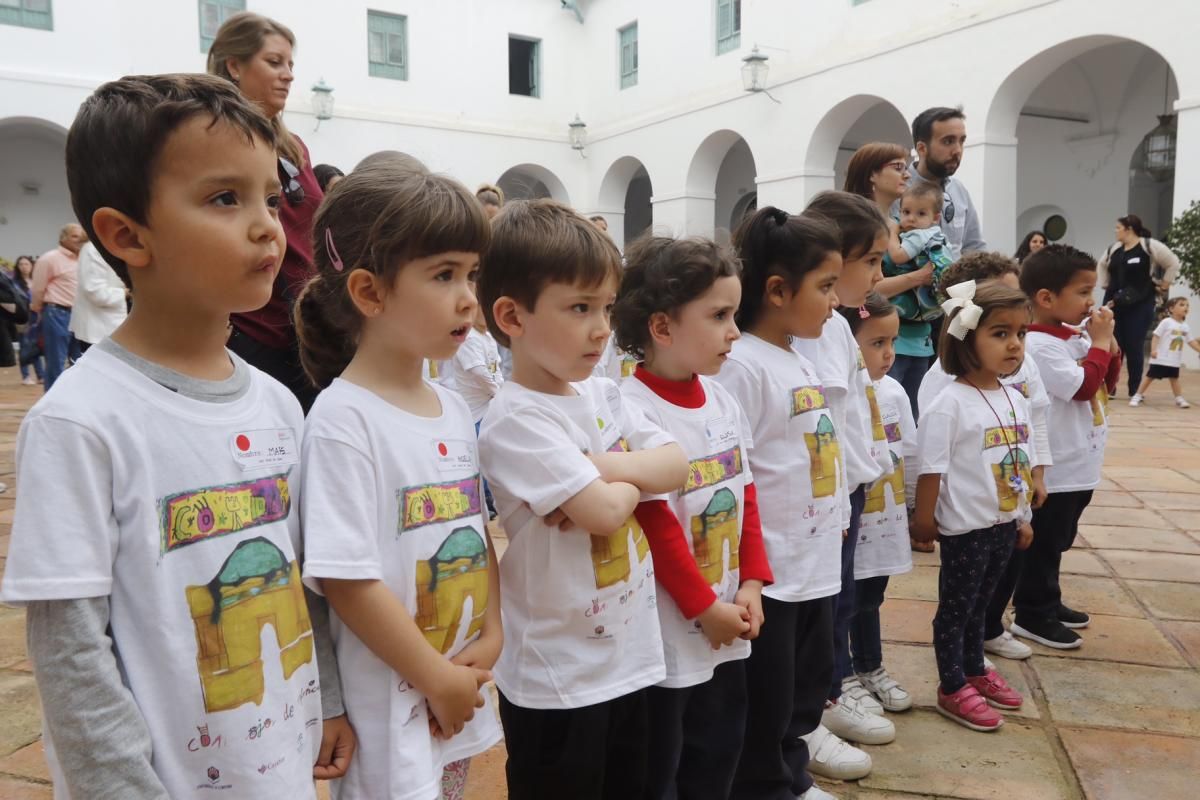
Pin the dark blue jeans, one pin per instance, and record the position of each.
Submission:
(56, 333)
(1132, 325)
(909, 371)
(843, 601)
(866, 639)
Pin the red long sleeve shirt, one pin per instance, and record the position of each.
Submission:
(1100, 367)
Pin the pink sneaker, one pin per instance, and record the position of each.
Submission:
(996, 691)
(968, 708)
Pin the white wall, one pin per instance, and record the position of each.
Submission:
(29, 225)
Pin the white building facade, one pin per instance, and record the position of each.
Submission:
(1058, 96)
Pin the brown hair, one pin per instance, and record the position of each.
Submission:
(1053, 267)
(875, 306)
(490, 195)
(536, 243)
(859, 220)
(866, 161)
(979, 266)
(239, 38)
(926, 189)
(958, 357)
(120, 130)
(663, 275)
(1134, 223)
(377, 218)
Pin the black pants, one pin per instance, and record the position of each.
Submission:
(596, 752)
(787, 681)
(993, 619)
(843, 601)
(282, 365)
(1132, 325)
(972, 564)
(866, 637)
(1055, 525)
(696, 736)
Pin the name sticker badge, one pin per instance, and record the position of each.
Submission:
(264, 448)
(453, 455)
(721, 432)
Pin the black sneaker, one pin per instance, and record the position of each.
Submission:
(1072, 618)
(1049, 632)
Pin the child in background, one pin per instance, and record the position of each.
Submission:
(393, 526)
(982, 267)
(675, 311)
(974, 490)
(789, 268)
(477, 377)
(1078, 368)
(1166, 352)
(921, 242)
(568, 460)
(882, 548)
(853, 712)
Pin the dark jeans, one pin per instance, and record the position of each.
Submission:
(843, 601)
(909, 371)
(696, 736)
(787, 679)
(60, 344)
(866, 640)
(1132, 325)
(282, 365)
(993, 620)
(597, 752)
(972, 564)
(1055, 525)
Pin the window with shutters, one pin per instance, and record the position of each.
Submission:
(524, 66)
(729, 25)
(387, 46)
(629, 55)
(212, 14)
(27, 14)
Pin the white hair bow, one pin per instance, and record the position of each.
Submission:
(962, 296)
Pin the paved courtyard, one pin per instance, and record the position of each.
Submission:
(1117, 719)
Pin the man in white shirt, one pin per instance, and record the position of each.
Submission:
(99, 299)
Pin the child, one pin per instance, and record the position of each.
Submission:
(853, 712)
(675, 311)
(921, 242)
(974, 489)
(1079, 368)
(790, 266)
(393, 528)
(568, 461)
(882, 549)
(981, 267)
(1165, 363)
(476, 367)
(152, 577)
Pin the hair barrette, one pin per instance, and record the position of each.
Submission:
(331, 249)
(863, 313)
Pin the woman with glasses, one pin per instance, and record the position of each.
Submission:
(255, 53)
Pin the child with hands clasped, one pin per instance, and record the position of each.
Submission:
(789, 268)
(675, 312)
(1166, 352)
(568, 460)
(975, 489)
(392, 511)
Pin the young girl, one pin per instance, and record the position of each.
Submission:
(675, 311)
(790, 266)
(391, 512)
(974, 489)
(853, 712)
(1166, 352)
(882, 548)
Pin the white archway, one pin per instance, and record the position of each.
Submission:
(532, 181)
(625, 199)
(863, 116)
(34, 200)
(721, 176)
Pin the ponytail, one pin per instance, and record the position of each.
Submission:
(1134, 223)
(327, 327)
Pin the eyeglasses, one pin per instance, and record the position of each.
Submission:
(899, 166)
(292, 190)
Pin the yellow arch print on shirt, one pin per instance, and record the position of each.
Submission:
(1176, 343)
(255, 587)
(877, 432)
(459, 570)
(876, 501)
(1004, 472)
(1099, 404)
(711, 529)
(825, 458)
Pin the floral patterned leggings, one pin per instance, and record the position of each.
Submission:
(454, 779)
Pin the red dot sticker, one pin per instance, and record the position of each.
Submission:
(442, 448)
(242, 442)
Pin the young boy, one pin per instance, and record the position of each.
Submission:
(1078, 369)
(675, 312)
(1164, 362)
(921, 242)
(568, 461)
(149, 577)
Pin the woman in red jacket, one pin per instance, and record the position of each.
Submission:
(255, 52)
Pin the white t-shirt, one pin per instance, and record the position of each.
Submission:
(715, 438)
(1027, 380)
(395, 497)
(580, 623)
(797, 457)
(1173, 338)
(982, 448)
(1078, 429)
(883, 547)
(441, 373)
(477, 374)
(614, 364)
(180, 512)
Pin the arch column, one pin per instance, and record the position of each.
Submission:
(615, 217)
(989, 171)
(684, 214)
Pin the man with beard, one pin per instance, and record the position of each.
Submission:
(939, 135)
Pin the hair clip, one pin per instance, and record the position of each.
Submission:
(331, 249)
(962, 297)
(863, 313)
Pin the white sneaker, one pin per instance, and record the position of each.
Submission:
(854, 690)
(830, 757)
(849, 721)
(987, 663)
(815, 793)
(1006, 646)
(1179, 401)
(1136, 400)
(891, 695)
